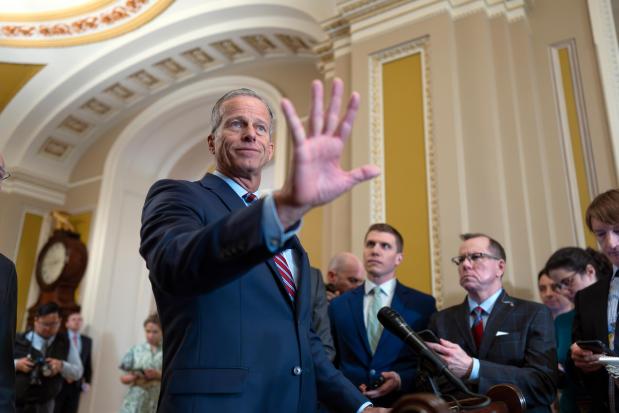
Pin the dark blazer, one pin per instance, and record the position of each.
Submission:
(354, 356)
(590, 323)
(68, 399)
(86, 356)
(233, 340)
(526, 356)
(8, 309)
(320, 312)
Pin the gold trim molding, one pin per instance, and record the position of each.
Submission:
(60, 14)
(377, 186)
(113, 19)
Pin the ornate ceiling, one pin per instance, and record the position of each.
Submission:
(74, 69)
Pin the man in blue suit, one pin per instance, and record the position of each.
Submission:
(231, 279)
(373, 359)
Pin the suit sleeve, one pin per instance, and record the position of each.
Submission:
(536, 376)
(8, 303)
(190, 248)
(334, 390)
(320, 313)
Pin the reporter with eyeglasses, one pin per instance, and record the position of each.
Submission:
(42, 359)
(494, 338)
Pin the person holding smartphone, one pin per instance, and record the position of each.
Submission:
(595, 315)
(574, 269)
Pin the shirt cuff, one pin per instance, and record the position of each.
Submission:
(274, 233)
(363, 406)
(475, 371)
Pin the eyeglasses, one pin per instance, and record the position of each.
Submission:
(4, 174)
(473, 257)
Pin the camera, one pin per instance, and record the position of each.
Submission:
(40, 369)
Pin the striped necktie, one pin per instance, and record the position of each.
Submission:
(374, 327)
(280, 261)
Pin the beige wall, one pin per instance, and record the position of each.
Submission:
(500, 166)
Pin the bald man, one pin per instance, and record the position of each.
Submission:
(345, 273)
(8, 304)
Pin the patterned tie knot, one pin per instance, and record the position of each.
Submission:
(377, 291)
(249, 197)
(477, 312)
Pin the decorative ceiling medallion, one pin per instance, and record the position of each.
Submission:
(96, 106)
(111, 20)
(145, 79)
(55, 148)
(260, 43)
(172, 68)
(199, 57)
(229, 49)
(294, 43)
(75, 125)
(120, 92)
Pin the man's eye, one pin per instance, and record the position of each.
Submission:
(261, 128)
(600, 234)
(235, 124)
(476, 256)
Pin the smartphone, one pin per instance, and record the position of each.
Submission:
(376, 383)
(595, 346)
(428, 335)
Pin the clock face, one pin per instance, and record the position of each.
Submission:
(53, 262)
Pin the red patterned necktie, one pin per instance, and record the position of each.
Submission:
(478, 325)
(280, 261)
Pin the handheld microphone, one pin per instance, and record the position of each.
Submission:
(394, 322)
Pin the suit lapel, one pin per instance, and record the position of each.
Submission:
(387, 341)
(223, 191)
(356, 309)
(503, 306)
(233, 202)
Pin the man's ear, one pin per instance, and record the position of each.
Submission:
(501, 268)
(330, 276)
(399, 258)
(211, 144)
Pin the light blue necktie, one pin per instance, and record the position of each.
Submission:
(374, 327)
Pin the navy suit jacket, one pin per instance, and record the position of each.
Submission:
(8, 303)
(233, 341)
(526, 356)
(354, 356)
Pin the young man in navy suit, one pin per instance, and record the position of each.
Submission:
(230, 277)
(8, 309)
(372, 358)
(492, 338)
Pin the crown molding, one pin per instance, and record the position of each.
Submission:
(359, 19)
(36, 187)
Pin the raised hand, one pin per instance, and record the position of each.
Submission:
(315, 176)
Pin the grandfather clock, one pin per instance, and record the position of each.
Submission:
(60, 268)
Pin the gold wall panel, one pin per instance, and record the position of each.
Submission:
(405, 167)
(26, 260)
(14, 77)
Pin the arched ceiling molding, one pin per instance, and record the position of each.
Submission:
(62, 116)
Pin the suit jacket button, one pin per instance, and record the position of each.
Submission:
(297, 371)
